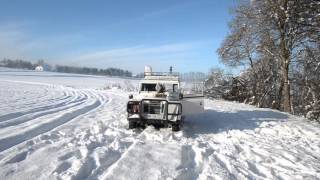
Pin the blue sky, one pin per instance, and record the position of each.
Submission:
(125, 34)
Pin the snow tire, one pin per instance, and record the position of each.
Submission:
(132, 125)
(176, 127)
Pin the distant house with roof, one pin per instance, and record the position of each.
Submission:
(39, 68)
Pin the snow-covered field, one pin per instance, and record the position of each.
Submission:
(65, 126)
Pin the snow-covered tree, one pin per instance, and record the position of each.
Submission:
(270, 37)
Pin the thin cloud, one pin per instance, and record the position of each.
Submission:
(17, 43)
(153, 14)
(134, 58)
(136, 51)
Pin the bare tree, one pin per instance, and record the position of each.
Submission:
(269, 35)
(288, 21)
(240, 47)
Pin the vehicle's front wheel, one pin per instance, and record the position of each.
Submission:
(175, 127)
(132, 125)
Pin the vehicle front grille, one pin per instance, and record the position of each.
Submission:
(152, 108)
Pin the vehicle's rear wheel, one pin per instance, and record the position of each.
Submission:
(175, 127)
(132, 124)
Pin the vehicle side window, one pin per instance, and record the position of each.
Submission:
(175, 87)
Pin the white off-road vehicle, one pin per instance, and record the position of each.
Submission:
(158, 102)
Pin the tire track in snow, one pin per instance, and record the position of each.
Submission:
(19, 96)
(32, 114)
(102, 154)
(97, 148)
(65, 101)
(161, 154)
(28, 117)
(11, 141)
(27, 125)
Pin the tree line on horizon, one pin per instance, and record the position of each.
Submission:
(22, 64)
(278, 41)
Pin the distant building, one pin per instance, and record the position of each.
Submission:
(39, 68)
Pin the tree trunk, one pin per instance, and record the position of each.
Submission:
(286, 85)
(254, 83)
(279, 95)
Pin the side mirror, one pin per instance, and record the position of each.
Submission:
(130, 96)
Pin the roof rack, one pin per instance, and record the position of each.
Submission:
(161, 76)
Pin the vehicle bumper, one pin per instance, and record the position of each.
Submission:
(154, 121)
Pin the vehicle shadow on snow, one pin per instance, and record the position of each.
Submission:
(211, 121)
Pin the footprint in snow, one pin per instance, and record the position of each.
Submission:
(18, 158)
(66, 156)
(62, 167)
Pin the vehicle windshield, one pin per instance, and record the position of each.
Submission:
(148, 87)
(153, 87)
